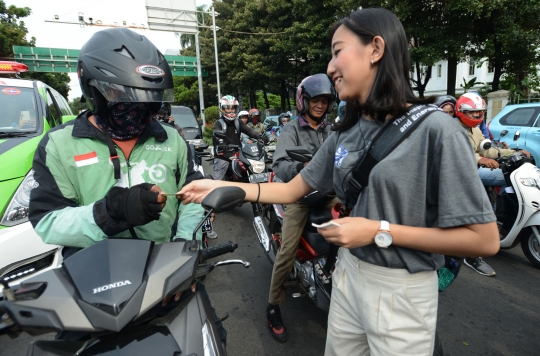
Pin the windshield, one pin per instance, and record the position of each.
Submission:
(18, 110)
(183, 117)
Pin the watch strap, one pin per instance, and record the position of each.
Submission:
(385, 226)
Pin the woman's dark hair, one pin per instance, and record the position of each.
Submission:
(391, 90)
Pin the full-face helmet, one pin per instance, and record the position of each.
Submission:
(254, 113)
(228, 103)
(470, 102)
(312, 86)
(119, 65)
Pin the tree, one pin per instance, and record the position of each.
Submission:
(77, 106)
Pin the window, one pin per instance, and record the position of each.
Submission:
(520, 117)
(183, 117)
(439, 70)
(471, 66)
(18, 109)
(53, 116)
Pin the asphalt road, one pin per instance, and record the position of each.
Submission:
(477, 315)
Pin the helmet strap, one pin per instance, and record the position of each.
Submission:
(113, 155)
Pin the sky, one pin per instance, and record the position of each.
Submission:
(58, 35)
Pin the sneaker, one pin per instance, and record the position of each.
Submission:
(480, 266)
(211, 234)
(275, 323)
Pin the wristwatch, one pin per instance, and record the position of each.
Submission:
(383, 238)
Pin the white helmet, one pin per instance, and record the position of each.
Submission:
(243, 113)
(228, 102)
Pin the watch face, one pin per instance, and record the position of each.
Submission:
(383, 239)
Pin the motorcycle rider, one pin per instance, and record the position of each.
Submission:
(283, 119)
(233, 128)
(101, 175)
(470, 112)
(316, 98)
(243, 117)
(253, 120)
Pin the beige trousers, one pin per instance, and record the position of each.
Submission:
(381, 311)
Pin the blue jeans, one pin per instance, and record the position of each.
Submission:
(491, 178)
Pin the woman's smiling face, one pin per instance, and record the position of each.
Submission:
(350, 67)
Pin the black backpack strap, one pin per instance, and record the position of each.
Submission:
(388, 138)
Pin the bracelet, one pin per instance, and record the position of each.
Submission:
(259, 193)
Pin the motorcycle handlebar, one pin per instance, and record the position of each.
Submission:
(218, 250)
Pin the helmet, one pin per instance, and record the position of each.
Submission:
(282, 115)
(342, 107)
(163, 113)
(313, 86)
(445, 99)
(470, 102)
(120, 65)
(253, 112)
(243, 113)
(228, 102)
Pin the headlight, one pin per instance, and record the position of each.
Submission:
(17, 210)
(257, 166)
(208, 343)
(197, 142)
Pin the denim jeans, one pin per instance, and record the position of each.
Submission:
(491, 178)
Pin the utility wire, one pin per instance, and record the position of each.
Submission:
(254, 33)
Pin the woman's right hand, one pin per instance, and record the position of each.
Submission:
(197, 190)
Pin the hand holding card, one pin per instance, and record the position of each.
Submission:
(326, 225)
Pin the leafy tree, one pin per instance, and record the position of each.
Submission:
(76, 106)
(13, 33)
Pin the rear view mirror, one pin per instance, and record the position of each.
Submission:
(517, 135)
(220, 134)
(224, 198)
(299, 153)
(503, 133)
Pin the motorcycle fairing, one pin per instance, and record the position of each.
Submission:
(253, 151)
(237, 170)
(109, 273)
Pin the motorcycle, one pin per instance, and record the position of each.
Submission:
(108, 292)
(517, 208)
(248, 164)
(312, 251)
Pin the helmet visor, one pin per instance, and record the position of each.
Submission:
(122, 93)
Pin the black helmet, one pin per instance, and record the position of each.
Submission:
(118, 64)
(282, 115)
(445, 99)
(164, 112)
(313, 86)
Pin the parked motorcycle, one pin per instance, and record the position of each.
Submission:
(109, 291)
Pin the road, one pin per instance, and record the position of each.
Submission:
(477, 315)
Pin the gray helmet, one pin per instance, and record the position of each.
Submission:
(312, 86)
(120, 65)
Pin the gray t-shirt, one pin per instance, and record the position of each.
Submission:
(429, 180)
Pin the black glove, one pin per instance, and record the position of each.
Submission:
(136, 205)
(263, 137)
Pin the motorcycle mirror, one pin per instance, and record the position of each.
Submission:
(503, 133)
(485, 144)
(299, 153)
(224, 198)
(220, 134)
(517, 135)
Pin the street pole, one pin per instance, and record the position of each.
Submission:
(216, 52)
(199, 79)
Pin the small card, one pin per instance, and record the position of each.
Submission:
(326, 225)
(168, 194)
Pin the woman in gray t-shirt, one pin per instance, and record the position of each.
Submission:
(422, 201)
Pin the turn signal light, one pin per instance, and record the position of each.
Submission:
(12, 67)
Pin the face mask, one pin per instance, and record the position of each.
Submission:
(126, 120)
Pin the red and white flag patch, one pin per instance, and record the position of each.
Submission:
(86, 159)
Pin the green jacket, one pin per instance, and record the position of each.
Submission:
(73, 173)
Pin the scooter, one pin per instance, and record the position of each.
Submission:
(108, 291)
(517, 208)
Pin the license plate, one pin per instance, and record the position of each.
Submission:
(259, 177)
(207, 225)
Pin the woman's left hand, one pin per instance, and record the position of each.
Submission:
(352, 232)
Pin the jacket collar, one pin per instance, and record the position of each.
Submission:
(83, 128)
(303, 122)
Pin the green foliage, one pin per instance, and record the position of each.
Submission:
(273, 100)
(76, 106)
(12, 31)
(59, 81)
(186, 91)
(207, 134)
(469, 84)
(211, 114)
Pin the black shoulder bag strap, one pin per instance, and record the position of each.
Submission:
(390, 136)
